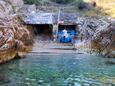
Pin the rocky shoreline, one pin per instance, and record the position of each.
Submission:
(99, 32)
(104, 40)
(15, 38)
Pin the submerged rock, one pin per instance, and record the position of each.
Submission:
(110, 63)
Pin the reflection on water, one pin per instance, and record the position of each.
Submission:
(58, 70)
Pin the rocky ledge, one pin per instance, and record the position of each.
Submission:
(15, 38)
(104, 41)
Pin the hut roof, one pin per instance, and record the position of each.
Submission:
(51, 18)
(67, 18)
(39, 18)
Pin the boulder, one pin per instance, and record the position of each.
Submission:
(16, 2)
(91, 25)
(26, 9)
(5, 8)
(15, 38)
(101, 32)
(105, 39)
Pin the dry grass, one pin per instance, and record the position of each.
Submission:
(107, 6)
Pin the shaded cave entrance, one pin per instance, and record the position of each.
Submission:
(72, 31)
(44, 31)
(68, 27)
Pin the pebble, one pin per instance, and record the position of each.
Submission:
(77, 84)
(86, 84)
(33, 79)
(27, 79)
(27, 83)
(40, 81)
(77, 79)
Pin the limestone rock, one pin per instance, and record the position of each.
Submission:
(105, 39)
(5, 8)
(17, 2)
(15, 38)
(91, 25)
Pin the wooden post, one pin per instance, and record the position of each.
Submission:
(58, 23)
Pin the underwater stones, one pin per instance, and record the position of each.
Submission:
(112, 54)
(27, 83)
(110, 63)
(109, 54)
(27, 79)
(4, 79)
(82, 81)
(40, 81)
(35, 82)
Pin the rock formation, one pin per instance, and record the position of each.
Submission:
(5, 8)
(100, 32)
(16, 2)
(104, 40)
(15, 38)
(90, 25)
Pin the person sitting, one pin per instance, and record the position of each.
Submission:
(65, 34)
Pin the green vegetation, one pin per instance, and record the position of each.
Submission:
(104, 7)
(37, 2)
(32, 2)
(108, 6)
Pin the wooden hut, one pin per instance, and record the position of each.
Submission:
(49, 23)
(42, 23)
(67, 21)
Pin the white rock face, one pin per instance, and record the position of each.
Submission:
(106, 40)
(8, 7)
(5, 8)
(17, 2)
(15, 38)
(26, 9)
(91, 25)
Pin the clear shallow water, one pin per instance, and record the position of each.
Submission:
(59, 70)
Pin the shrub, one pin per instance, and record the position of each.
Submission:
(31, 2)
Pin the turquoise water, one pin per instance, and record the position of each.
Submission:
(58, 70)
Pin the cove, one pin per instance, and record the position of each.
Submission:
(59, 70)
